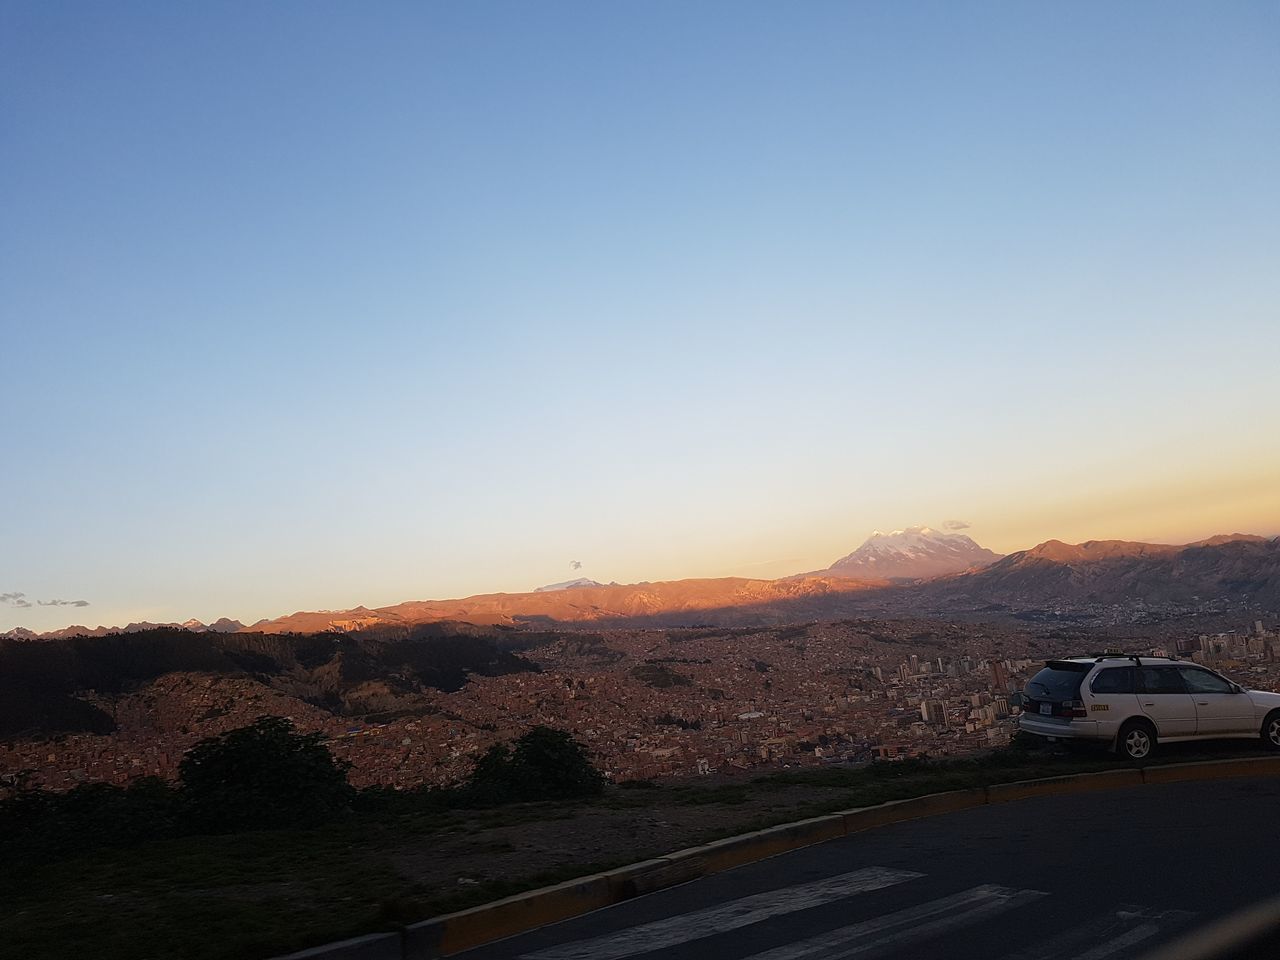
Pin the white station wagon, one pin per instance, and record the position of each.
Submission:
(1133, 702)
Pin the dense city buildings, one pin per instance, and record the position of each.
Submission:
(646, 703)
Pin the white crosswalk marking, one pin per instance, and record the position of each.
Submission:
(724, 917)
(1122, 942)
(1108, 934)
(905, 926)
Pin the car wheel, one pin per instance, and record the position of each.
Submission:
(1136, 740)
(1271, 730)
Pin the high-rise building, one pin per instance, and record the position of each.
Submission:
(999, 676)
(933, 712)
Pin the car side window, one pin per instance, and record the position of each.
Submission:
(1113, 680)
(1162, 680)
(1202, 681)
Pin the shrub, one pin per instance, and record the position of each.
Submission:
(262, 776)
(545, 764)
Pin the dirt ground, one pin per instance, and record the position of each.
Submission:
(477, 852)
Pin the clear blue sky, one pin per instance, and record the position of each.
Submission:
(313, 304)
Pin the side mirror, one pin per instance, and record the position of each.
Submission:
(1236, 688)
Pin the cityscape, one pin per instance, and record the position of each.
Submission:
(649, 704)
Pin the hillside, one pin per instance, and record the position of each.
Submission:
(69, 684)
(1239, 567)
(673, 601)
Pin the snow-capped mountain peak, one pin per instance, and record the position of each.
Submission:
(568, 585)
(913, 553)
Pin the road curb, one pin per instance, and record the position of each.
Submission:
(1058, 786)
(455, 932)
(914, 808)
(1212, 770)
(452, 933)
(375, 946)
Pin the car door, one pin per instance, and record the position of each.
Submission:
(1112, 697)
(1164, 698)
(1219, 710)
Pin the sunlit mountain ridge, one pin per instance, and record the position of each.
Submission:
(1239, 569)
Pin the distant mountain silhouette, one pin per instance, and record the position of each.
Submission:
(221, 625)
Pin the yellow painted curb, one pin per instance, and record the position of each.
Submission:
(455, 932)
(637, 879)
(1057, 786)
(895, 811)
(759, 844)
(1212, 770)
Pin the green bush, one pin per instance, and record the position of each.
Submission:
(262, 776)
(545, 764)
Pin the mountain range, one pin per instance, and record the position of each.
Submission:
(1237, 566)
(912, 571)
(221, 625)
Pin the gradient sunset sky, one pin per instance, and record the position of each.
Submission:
(307, 305)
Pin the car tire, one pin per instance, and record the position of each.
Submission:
(1271, 730)
(1136, 741)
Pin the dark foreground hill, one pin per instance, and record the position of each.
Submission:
(67, 684)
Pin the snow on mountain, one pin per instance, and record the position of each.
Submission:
(568, 585)
(914, 553)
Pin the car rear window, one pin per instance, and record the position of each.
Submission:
(1058, 681)
(1113, 680)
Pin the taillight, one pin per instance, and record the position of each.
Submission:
(1072, 708)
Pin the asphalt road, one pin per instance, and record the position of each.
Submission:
(1086, 877)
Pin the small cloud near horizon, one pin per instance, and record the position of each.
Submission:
(575, 564)
(17, 599)
(956, 525)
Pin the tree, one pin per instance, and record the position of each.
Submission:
(545, 764)
(261, 776)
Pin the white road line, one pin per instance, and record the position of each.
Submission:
(1105, 934)
(724, 917)
(1125, 940)
(905, 926)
